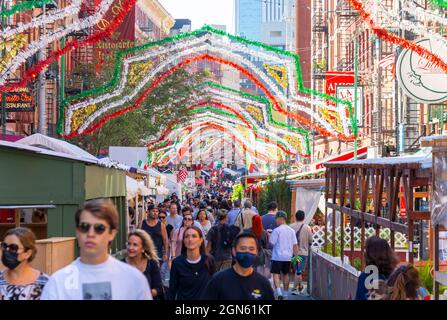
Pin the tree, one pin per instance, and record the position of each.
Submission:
(167, 103)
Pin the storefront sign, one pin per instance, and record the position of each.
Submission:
(420, 79)
(347, 93)
(123, 37)
(19, 100)
(335, 79)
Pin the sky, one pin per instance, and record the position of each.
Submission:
(202, 12)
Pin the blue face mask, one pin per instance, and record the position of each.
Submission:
(245, 259)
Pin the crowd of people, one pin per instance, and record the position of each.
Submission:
(203, 248)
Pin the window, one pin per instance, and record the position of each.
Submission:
(275, 34)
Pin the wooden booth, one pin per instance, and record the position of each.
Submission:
(397, 184)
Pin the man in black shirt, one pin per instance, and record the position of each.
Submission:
(220, 239)
(241, 282)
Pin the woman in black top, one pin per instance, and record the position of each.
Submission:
(141, 253)
(192, 270)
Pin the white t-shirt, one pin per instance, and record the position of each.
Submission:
(283, 238)
(111, 280)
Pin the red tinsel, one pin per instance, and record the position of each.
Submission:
(223, 106)
(32, 73)
(387, 36)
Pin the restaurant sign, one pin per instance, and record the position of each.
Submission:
(19, 100)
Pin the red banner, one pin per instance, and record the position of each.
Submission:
(123, 38)
(337, 78)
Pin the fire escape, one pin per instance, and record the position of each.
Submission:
(346, 15)
(319, 40)
(82, 58)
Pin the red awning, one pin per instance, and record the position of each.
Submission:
(361, 153)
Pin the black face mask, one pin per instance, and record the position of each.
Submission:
(10, 260)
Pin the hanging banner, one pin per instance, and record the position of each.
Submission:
(19, 100)
(421, 79)
(123, 37)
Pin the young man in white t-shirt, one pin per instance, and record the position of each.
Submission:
(96, 275)
(285, 247)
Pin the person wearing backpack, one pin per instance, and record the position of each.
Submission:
(304, 241)
(220, 238)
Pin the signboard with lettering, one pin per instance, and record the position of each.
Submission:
(419, 78)
(347, 93)
(123, 37)
(335, 79)
(19, 100)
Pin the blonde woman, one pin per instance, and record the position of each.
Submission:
(141, 253)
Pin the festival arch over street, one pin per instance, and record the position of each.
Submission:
(270, 126)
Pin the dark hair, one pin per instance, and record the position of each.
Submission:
(151, 207)
(404, 282)
(26, 237)
(379, 253)
(272, 206)
(209, 259)
(101, 208)
(186, 209)
(202, 210)
(237, 203)
(183, 220)
(299, 215)
(244, 234)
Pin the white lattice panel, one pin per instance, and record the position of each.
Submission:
(318, 237)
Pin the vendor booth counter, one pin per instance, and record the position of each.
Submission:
(51, 186)
(52, 254)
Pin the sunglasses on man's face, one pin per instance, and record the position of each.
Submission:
(99, 228)
(13, 248)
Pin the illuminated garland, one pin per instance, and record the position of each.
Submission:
(31, 73)
(387, 36)
(23, 6)
(37, 22)
(231, 100)
(127, 98)
(408, 25)
(243, 118)
(12, 48)
(280, 143)
(273, 71)
(295, 58)
(239, 140)
(275, 103)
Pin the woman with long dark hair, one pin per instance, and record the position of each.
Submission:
(379, 257)
(192, 270)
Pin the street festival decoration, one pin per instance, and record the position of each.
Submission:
(72, 11)
(280, 73)
(266, 116)
(370, 11)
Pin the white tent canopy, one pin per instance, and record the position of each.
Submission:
(231, 172)
(45, 142)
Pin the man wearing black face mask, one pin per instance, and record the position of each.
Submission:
(241, 282)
